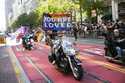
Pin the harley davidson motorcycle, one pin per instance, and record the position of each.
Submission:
(64, 57)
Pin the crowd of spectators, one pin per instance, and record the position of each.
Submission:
(95, 30)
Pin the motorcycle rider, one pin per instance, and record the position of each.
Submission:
(26, 38)
(56, 35)
(51, 35)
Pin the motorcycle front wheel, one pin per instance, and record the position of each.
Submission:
(29, 47)
(78, 72)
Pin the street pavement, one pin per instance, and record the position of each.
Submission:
(33, 66)
(39, 70)
(87, 40)
(7, 73)
(97, 69)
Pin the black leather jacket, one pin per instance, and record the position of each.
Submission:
(119, 40)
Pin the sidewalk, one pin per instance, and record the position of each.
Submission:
(10, 68)
(20, 73)
(7, 73)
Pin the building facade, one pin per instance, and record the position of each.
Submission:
(2, 16)
(15, 8)
(118, 9)
(121, 10)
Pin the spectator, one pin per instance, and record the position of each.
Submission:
(75, 32)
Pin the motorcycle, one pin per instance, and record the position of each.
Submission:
(64, 56)
(27, 42)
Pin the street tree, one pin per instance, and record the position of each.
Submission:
(24, 19)
(21, 20)
(52, 6)
(89, 5)
(48, 6)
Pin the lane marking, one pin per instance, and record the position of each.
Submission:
(95, 77)
(93, 51)
(38, 70)
(104, 64)
(20, 74)
(18, 49)
(91, 75)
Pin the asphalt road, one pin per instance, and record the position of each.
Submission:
(86, 40)
(98, 70)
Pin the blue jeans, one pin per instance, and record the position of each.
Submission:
(119, 51)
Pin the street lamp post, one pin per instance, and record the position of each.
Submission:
(80, 14)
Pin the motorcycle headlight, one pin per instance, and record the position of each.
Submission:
(71, 52)
(28, 43)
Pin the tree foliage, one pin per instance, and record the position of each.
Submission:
(89, 5)
(50, 6)
(21, 20)
(27, 20)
